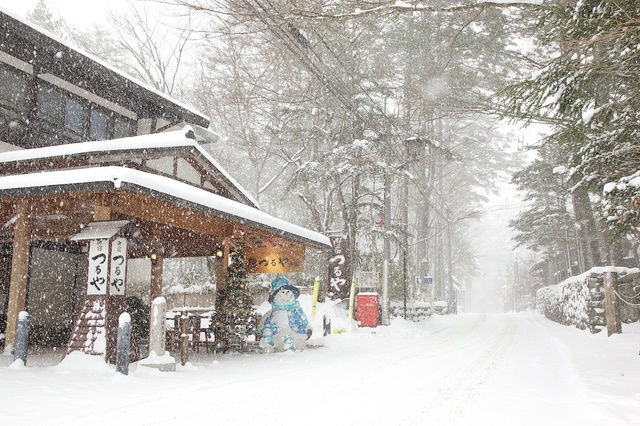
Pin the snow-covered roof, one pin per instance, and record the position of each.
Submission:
(123, 176)
(99, 230)
(152, 141)
(120, 176)
(136, 82)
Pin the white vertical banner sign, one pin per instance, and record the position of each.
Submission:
(98, 264)
(118, 274)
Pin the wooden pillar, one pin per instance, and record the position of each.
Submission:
(221, 266)
(19, 271)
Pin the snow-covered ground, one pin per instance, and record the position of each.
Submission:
(467, 369)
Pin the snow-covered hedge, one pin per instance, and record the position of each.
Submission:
(578, 300)
(416, 311)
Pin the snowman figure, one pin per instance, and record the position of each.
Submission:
(285, 326)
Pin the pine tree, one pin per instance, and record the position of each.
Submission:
(548, 224)
(235, 317)
(42, 16)
(589, 93)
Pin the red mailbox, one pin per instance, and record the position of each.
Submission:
(367, 309)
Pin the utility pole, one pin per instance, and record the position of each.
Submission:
(405, 238)
(414, 148)
(449, 290)
(515, 285)
(385, 320)
(386, 250)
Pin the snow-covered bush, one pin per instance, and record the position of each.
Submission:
(416, 311)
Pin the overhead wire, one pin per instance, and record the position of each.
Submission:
(392, 124)
(292, 45)
(273, 19)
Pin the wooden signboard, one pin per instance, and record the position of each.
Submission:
(98, 266)
(118, 274)
(339, 268)
(275, 259)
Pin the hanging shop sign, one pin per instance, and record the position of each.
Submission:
(275, 259)
(118, 275)
(98, 266)
(339, 268)
(107, 261)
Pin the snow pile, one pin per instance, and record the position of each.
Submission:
(333, 311)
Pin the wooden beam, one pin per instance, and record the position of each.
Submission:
(164, 212)
(55, 216)
(102, 213)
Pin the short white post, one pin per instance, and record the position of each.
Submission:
(158, 358)
(22, 337)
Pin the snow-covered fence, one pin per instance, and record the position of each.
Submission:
(176, 300)
(628, 293)
(578, 300)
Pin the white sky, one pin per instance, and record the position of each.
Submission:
(79, 13)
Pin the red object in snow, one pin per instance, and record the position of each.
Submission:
(367, 309)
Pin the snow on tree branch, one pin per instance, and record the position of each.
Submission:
(407, 7)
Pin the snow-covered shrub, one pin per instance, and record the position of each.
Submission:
(416, 311)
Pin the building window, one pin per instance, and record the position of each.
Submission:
(62, 116)
(99, 127)
(13, 89)
(122, 127)
(51, 105)
(74, 116)
(14, 105)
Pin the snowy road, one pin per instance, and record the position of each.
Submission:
(469, 369)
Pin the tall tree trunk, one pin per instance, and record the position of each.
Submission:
(588, 233)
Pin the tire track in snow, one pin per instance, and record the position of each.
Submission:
(482, 352)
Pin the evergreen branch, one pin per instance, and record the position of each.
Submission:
(405, 7)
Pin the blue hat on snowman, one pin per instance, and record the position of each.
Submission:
(281, 283)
